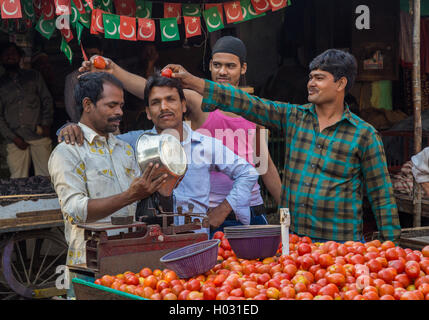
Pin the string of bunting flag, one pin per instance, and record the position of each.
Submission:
(130, 20)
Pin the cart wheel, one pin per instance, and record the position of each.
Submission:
(29, 262)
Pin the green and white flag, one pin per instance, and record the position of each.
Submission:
(191, 10)
(65, 48)
(143, 9)
(46, 27)
(28, 9)
(74, 15)
(248, 11)
(79, 29)
(169, 29)
(213, 19)
(85, 20)
(106, 5)
(111, 24)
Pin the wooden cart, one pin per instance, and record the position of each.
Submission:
(32, 246)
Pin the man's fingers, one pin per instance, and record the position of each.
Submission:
(147, 170)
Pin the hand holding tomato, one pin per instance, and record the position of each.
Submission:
(99, 62)
(167, 72)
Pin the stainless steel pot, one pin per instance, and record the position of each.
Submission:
(166, 150)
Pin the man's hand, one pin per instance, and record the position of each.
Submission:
(188, 80)
(145, 185)
(20, 143)
(88, 66)
(46, 131)
(71, 133)
(218, 215)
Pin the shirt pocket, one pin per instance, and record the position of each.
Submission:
(341, 160)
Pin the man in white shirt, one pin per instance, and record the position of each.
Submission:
(101, 178)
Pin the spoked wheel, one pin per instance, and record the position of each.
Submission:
(29, 264)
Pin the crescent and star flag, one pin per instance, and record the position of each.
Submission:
(248, 11)
(45, 27)
(28, 9)
(79, 6)
(261, 6)
(79, 29)
(111, 24)
(143, 9)
(65, 48)
(97, 21)
(67, 34)
(128, 28)
(278, 4)
(219, 7)
(48, 9)
(233, 11)
(106, 5)
(146, 29)
(75, 15)
(169, 29)
(191, 9)
(10, 9)
(89, 3)
(85, 20)
(213, 19)
(125, 8)
(62, 7)
(192, 26)
(173, 10)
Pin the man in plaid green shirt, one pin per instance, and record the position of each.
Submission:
(332, 156)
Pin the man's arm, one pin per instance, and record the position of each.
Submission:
(270, 114)
(5, 131)
(379, 189)
(132, 82)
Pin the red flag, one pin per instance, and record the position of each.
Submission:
(192, 26)
(48, 9)
(146, 29)
(261, 6)
(62, 7)
(127, 28)
(37, 4)
(97, 21)
(219, 7)
(233, 11)
(79, 6)
(278, 4)
(173, 10)
(11, 9)
(67, 34)
(125, 8)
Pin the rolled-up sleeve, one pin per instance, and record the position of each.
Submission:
(242, 173)
(68, 177)
(420, 166)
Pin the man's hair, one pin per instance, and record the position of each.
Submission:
(339, 63)
(159, 81)
(90, 85)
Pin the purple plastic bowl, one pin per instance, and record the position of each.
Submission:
(194, 259)
(256, 247)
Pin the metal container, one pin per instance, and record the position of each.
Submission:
(167, 151)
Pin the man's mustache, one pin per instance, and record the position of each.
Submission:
(118, 118)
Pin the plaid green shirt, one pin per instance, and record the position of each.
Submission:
(326, 172)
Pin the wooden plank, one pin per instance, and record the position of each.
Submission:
(4, 223)
(34, 226)
(38, 213)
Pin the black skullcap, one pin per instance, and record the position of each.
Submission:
(233, 45)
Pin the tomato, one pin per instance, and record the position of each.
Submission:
(425, 251)
(336, 278)
(304, 248)
(99, 62)
(195, 295)
(98, 281)
(412, 257)
(193, 285)
(218, 235)
(156, 296)
(150, 281)
(167, 72)
(399, 265)
(409, 295)
(225, 244)
(304, 296)
(145, 272)
(387, 297)
(314, 288)
(412, 269)
(209, 293)
(222, 295)
(387, 244)
(287, 292)
(374, 265)
(350, 294)
(387, 274)
(106, 280)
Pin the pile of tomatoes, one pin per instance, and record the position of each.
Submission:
(321, 271)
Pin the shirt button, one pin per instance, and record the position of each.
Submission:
(302, 204)
(313, 165)
(307, 184)
(319, 146)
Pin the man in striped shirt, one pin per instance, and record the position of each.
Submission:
(332, 156)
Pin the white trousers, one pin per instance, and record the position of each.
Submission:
(19, 160)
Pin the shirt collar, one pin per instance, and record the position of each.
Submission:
(90, 135)
(190, 135)
(347, 114)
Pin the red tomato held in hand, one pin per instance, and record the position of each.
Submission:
(167, 72)
(218, 235)
(99, 62)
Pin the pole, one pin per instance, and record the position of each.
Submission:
(285, 223)
(417, 103)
